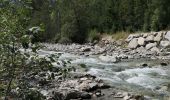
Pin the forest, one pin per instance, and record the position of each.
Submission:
(80, 21)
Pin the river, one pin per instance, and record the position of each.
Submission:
(144, 76)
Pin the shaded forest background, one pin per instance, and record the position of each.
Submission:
(80, 21)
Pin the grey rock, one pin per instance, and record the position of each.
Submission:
(145, 35)
(164, 43)
(150, 38)
(150, 45)
(141, 41)
(155, 49)
(103, 85)
(85, 49)
(133, 43)
(73, 94)
(158, 37)
(93, 86)
(98, 94)
(129, 38)
(167, 36)
(108, 59)
(85, 95)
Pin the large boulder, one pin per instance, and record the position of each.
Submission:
(150, 45)
(167, 36)
(158, 37)
(108, 59)
(155, 49)
(150, 38)
(141, 41)
(165, 43)
(133, 43)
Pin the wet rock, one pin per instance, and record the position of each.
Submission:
(84, 79)
(144, 65)
(72, 94)
(109, 59)
(85, 95)
(167, 36)
(93, 86)
(163, 64)
(127, 96)
(117, 69)
(85, 49)
(141, 41)
(133, 43)
(164, 44)
(98, 94)
(150, 45)
(103, 86)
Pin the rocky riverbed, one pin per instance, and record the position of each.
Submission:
(94, 78)
(137, 68)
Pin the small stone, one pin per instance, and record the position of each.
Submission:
(85, 49)
(84, 79)
(103, 86)
(126, 97)
(98, 94)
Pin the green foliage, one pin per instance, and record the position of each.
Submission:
(93, 35)
(71, 21)
(14, 63)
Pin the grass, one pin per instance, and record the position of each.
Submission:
(120, 35)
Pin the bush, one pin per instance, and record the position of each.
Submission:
(64, 40)
(93, 35)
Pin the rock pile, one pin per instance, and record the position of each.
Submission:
(154, 41)
(83, 87)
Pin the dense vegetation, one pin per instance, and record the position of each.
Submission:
(73, 20)
(76, 20)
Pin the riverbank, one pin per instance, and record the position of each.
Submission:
(108, 54)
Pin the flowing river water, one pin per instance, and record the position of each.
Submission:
(144, 76)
